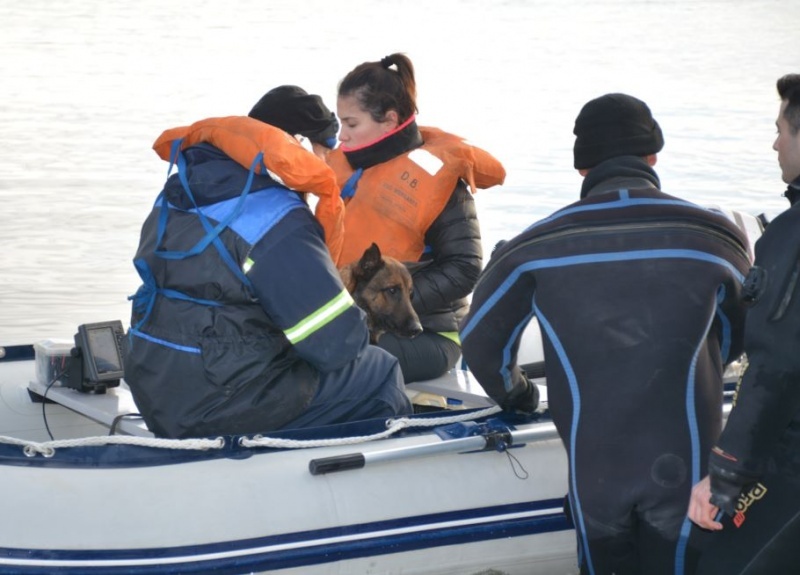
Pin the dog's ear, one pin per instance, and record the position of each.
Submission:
(371, 260)
(348, 278)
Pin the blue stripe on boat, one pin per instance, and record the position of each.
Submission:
(302, 548)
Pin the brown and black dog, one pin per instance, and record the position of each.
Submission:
(381, 286)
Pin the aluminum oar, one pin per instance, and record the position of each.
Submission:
(494, 440)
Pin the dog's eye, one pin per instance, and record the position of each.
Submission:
(393, 290)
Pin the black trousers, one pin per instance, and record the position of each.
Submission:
(426, 356)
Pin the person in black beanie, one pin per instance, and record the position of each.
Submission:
(615, 125)
(638, 297)
(242, 323)
(297, 112)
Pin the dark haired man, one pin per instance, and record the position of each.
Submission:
(754, 469)
(637, 294)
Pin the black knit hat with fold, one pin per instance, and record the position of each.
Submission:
(295, 111)
(614, 125)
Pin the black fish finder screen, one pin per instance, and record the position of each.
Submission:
(101, 348)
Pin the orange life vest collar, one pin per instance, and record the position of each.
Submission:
(397, 201)
(242, 138)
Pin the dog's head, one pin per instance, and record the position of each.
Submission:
(382, 287)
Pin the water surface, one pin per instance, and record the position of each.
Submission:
(87, 86)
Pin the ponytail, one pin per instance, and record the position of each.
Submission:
(387, 84)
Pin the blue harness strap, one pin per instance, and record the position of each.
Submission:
(145, 297)
(349, 188)
(212, 232)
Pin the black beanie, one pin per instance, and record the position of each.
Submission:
(295, 111)
(614, 125)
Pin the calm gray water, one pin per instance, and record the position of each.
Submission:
(87, 86)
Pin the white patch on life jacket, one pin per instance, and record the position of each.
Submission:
(425, 160)
(275, 177)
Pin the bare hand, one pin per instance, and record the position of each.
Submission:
(701, 511)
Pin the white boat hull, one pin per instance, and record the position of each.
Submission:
(426, 508)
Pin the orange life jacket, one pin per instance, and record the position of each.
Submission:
(242, 138)
(397, 201)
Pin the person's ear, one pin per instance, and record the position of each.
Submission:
(319, 150)
(391, 120)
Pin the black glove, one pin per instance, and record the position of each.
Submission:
(525, 400)
(726, 487)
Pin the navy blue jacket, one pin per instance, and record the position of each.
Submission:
(230, 335)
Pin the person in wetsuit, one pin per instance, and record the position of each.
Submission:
(754, 469)
(637, 295)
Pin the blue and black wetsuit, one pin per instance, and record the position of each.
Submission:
(637, 295)
(755, 466)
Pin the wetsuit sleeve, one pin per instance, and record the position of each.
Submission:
(299, 287)
(490, 333)
(768, 396)
(455, 259)
(731, 312)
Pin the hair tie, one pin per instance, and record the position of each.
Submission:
(387, 62)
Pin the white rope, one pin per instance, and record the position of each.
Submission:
(48, 448)
(393, 426)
